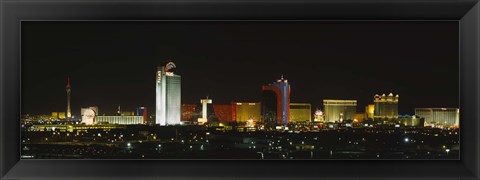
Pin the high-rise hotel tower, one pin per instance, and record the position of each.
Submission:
(69, 112)
(386, 107)
(276, 103)
(168, 96)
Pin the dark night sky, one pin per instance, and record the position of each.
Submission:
(113, 63)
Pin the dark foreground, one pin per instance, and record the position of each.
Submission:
(195, 142)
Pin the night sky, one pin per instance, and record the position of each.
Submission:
(114, 63)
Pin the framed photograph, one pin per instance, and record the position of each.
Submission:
(239, 89)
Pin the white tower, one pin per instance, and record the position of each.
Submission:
(168, 96)
(69, 90)
(204, 117)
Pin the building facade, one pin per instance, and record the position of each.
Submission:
(188, 111)
(413, 121)
(276, 103)
(339, 110)
(359, 117)
(369, 111)
(123, 120)
(300, 112)
(224, 112)
(243, 111)
(439, 117)
(168, 96)
(386, 107)
(142, 111)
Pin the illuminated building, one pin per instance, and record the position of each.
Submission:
(58, 115)
(188, 111)
(128, 113)
(61, 115)
(88, 116)
(339, 110)
(359, 117)
(369, 111)
(54, 114)
(95, 108)
(300, 112)
(69, 112)
(125, 120)
(142, 111)
(250, 122)
(224, 112)
(318, 116)
(276, 103)
(439, 117)
(386, 107)
(204, 118)
(211, 117)
(411, 121)
(243, 111)
(168, 96)
(73, 127)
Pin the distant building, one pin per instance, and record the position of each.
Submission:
(319, 116)
(142, 111)
(128, 113)
(88, 116)
(386, 107)
(61, 115)
(439, 117)
(74, 127)
(224, 112)
(58, 115)
(211, 117)
(94, 108)
(276, 103)
(168, 96)
(359, 117)
(204, 118)
(188, 111)
(55, 115)
(123, 120)
(300, 112)
(413, 121)
(339, 110)
(243, 111)
(370, 111)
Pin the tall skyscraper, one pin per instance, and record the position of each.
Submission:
(276, 102)
(339, 110)
(168, 96)
(69, 89)
(386, 107)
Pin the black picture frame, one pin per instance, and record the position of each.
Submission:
(12, 12)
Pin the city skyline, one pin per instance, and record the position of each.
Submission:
(91, 86)
(240, 90)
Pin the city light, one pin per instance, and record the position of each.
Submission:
(272, 127)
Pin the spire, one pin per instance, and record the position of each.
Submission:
(68, 81)
(281, 77)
